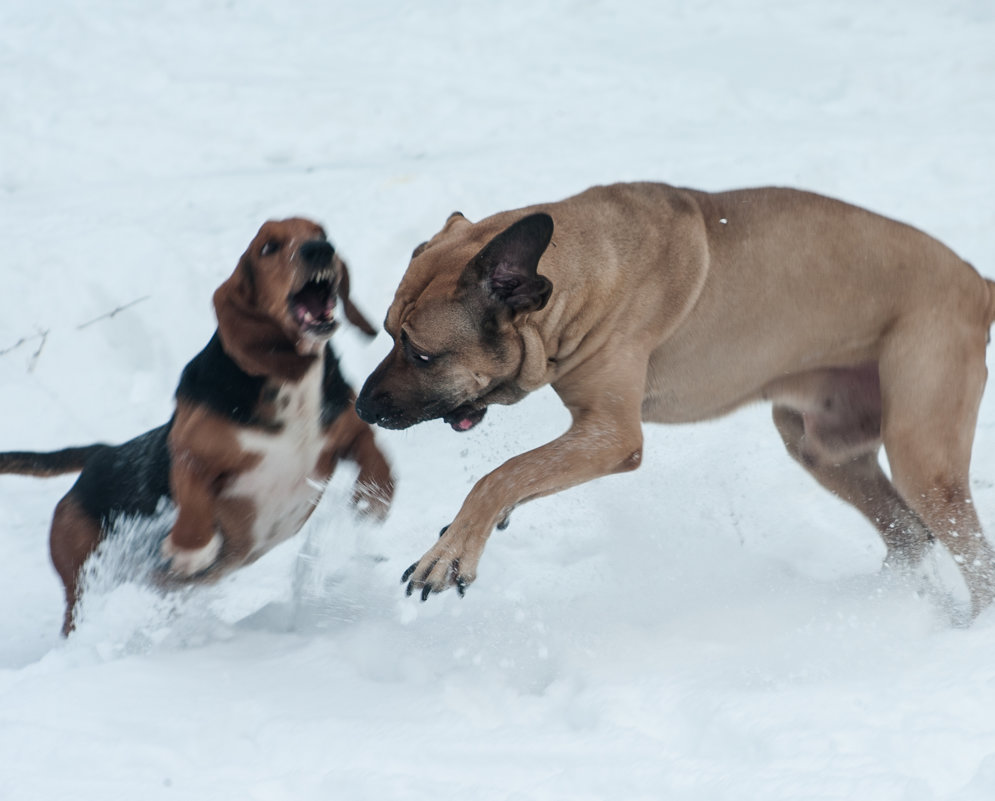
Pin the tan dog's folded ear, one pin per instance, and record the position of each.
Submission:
(353, 315)
(249, 335)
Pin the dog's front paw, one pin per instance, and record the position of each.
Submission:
(451, 562)
(187, 562)
(372, 500)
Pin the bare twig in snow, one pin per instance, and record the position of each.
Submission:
(43, 335)
(112, 313)
(37, 353)
(16, 345)
(23, 341)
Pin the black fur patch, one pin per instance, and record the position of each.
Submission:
(128, 479)
(212, 379)
(131, 479)
(336, 393)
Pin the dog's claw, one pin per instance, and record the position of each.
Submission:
(504, 523)
(446, 565)
(421, 580)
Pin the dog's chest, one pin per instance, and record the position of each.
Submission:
(283, 487)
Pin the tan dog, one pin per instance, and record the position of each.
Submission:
(263, 415)
(669, 305)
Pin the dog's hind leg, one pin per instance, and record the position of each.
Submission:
(858, 479)
(931, 386)
(74, 537)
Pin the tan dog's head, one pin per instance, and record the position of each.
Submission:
(280, 301)
(456, 349)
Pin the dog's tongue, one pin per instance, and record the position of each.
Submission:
(313, 300)
(464, 418)
(316, 305)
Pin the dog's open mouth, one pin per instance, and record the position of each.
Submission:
(313, 306)
(464, 417)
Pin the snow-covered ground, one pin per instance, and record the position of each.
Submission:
(710, 627)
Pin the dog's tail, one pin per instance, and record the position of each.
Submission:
(52, 463)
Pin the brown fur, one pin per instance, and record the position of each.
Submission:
(671, 305)
(216, 523)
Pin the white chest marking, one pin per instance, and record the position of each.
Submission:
(283, 486)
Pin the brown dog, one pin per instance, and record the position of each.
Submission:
(262, 416)
(671, 305)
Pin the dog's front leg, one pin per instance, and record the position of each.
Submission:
(193, 544)
(375, 483)
(202, 453)
(606, 438)
(351, 438)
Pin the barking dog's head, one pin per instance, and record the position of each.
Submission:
(456, 349)
(283, 294)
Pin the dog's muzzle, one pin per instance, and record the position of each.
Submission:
(380, 410)
(313, 305)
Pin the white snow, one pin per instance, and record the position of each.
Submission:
(713, 626)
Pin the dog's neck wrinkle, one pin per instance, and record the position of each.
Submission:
(537, 369)
(549, 343)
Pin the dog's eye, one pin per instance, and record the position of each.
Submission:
(271, 247)
(419, 357)
(415, 355)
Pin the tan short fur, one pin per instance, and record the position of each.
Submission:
(672, 305)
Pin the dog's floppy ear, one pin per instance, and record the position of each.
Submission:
(352, 314)
(506, 266)
(235, 306)
(248, 334)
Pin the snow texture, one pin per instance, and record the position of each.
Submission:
(712, 627)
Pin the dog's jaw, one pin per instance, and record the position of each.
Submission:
(312, 307)
(380, 409)
(464, 417)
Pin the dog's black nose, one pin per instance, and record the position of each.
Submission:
(377, 408)
(317, 253)
(366, 410)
